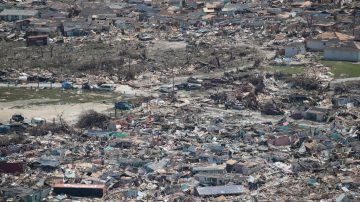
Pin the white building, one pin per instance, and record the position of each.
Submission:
(349, 51)
(323, 40)
(294, 49)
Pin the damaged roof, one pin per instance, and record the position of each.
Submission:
(334, 36)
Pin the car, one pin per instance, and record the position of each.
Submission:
(38, 121)
(175, 38)
(88, 86)
(46, 79)
(202, 31)
(106, 87)
(192, 86)
(208, 84)
(194, 80)
(234, 105)
(222, 80)
(145, 37)
(190, 46)
(182, 86)
(17, 118)
(67, 85)
(3, 79)
(124, 106)
(165, 89)
(188, 86)
(4, 129)
(17, 127)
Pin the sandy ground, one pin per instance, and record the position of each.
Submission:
(164, 45)
(70, 111)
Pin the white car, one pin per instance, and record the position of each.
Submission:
(106, 87)
(38, 121)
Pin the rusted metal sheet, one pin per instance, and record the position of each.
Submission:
(6, 167)
(280, 141)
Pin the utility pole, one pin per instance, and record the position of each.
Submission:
(128, 50)
(51, 50)
(171, 57)
(173, 80)
(129, 66)
(354, 20)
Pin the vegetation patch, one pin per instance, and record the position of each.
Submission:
(342, 69)
(54, 95)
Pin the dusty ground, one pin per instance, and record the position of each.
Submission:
(70, 112)
(161, 45)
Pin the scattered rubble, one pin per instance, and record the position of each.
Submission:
(201, 114)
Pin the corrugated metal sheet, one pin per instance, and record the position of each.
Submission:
(220, 190)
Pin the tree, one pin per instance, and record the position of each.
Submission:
(169, 60)
(51, 48)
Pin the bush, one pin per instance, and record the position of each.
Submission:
(91, 119)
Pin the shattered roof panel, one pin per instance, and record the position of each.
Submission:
(18, 12)
(334, 36)
(349, 45)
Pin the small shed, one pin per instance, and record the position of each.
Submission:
(39, 40)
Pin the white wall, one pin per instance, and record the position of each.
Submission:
(341, 54)
(317, 45)
(292, 51)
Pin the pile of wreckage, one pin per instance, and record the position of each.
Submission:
(170, 150)
(241, 134)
